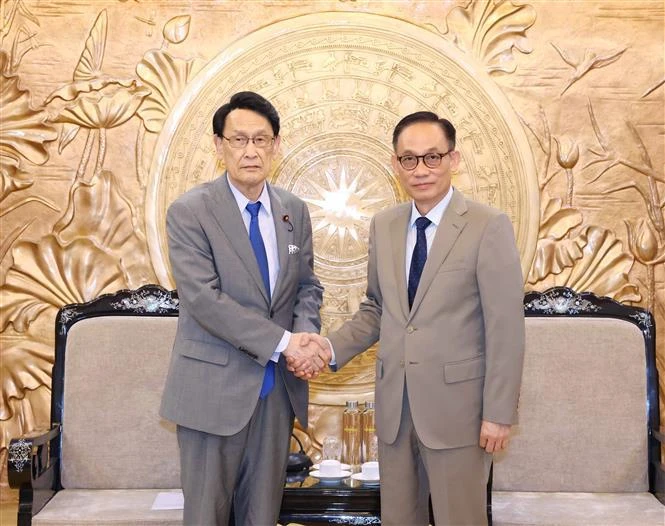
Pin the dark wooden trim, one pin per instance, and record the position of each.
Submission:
(563, 301)
(362, 503)
(33, 469)
(149, 300)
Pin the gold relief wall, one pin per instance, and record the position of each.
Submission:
(105, 114)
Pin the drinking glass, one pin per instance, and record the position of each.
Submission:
(332, 448)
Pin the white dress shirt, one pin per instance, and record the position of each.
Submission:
(434, 215)
(267, 227)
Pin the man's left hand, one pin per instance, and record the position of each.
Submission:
(494, 437)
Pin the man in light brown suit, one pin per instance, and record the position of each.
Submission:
(444, 296)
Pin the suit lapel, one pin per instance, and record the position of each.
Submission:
(224, 208)
(452, 224)
(284, 234)
(398, 227)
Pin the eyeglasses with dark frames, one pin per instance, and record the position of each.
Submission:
(240, 141)
(431, 160)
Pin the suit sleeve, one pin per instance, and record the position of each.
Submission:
(363, 330)
(200, 290)
(500, 284)
(306, 316)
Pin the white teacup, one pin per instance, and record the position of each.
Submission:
(370, 470)
(330, 468)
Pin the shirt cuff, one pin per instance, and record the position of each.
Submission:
(333, 361)
(281, 346)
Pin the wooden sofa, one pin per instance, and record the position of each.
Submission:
(585, 452)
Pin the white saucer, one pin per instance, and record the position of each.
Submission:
(343, 474)
(343, 466)
(370, 481)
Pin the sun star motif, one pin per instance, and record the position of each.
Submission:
(343, 208)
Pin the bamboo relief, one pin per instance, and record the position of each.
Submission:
(79, 147)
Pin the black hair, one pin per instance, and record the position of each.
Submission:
(246, 100)
(426, 116)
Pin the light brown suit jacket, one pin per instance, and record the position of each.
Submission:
(460, 348)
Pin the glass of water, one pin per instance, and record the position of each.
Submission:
(332, 448)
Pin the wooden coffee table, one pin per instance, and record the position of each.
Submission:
(312, 503)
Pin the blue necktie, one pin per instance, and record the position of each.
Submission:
(262, 259)
(419, 257)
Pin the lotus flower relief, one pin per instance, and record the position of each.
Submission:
(8, 181)
(47, 275)
(555, 250)
(567, 155)
(644, 244)
(101, 212)
(594, 260)
(25, 364)
(99, 103)
(23, 131)
(603, 268)
(93, 100)
(167, 76)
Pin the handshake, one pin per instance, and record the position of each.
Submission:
(307, 354)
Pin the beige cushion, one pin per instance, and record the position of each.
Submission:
(582, 410)
(576, 509)
(105, 508)
(113, 436)
(575, 434)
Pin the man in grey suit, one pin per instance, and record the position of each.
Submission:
(242, 258)
(444, 296)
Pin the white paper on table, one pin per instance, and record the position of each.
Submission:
(169, 500)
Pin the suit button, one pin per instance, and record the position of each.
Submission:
(401, 363)
(410, 329)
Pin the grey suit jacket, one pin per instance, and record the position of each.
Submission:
(227, 328)
(460, 348)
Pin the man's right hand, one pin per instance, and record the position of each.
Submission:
(307, 354)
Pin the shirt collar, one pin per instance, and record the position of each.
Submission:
(435, 214)
(242, 200)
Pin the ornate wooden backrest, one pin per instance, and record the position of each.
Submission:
(111, 360)
(589, 398)
(590, 366)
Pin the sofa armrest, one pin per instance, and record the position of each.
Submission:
(658, 466)
(32, 467)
